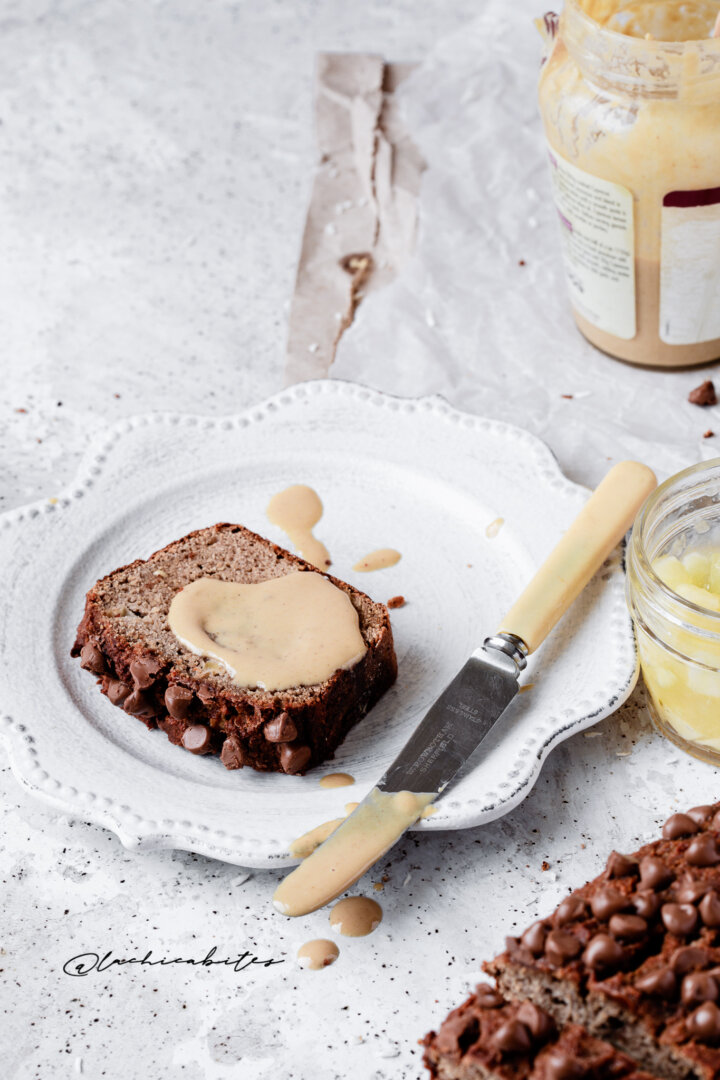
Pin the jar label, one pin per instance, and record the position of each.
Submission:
(690, 267)
(596, 219)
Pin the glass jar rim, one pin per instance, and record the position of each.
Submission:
(635, 67)
(637, 541)
(592, 25)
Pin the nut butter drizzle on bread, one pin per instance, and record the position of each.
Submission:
(124, 639)
(295, 630)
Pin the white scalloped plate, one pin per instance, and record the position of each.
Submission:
(412, 474)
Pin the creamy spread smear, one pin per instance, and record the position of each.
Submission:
(356, 916)
(336, 780)
(350, 851)
(318, 954)
(306, 844)
(296, 511)
(378, 560)
(295, 630)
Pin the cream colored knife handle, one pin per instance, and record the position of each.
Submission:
(600, 525)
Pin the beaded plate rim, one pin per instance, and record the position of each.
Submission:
(133, 827)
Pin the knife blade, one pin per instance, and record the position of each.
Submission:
(456, 724)
(453, 728)
(468, 709)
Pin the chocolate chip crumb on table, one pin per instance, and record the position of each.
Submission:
(704, 394)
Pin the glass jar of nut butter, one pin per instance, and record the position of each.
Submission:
(630, 101)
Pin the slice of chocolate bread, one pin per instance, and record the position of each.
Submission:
(489, 1038)
(125, 640)
(634, 956)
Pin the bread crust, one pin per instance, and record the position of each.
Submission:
(489, 1038)
(123, 638)
(641, 998)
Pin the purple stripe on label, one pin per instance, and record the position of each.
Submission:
(566, 223)
(704, 197)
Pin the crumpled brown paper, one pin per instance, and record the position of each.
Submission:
(362, 219)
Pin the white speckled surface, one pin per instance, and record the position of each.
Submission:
(155, 160)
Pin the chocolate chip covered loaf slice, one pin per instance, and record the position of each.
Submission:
(125, 640)
(634, 956)
(489, 1038)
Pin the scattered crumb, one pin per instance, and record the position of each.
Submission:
(494, 528)
(545, 865)
(21, 410)
(53, 501)
(396, 602)
(525, 687)
(704, 394)
(328, 562)
(469, 566)
(241, 878)
(521, 262)
(378, 886)
(116, 395)
(389, 1052)
(708, 434)
(568, 397)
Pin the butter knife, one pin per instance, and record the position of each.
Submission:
(468, 709)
